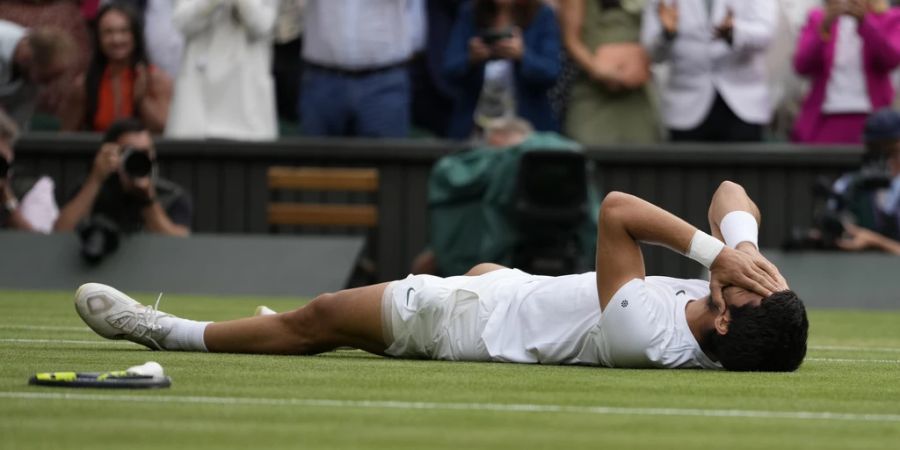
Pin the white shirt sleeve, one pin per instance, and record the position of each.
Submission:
(632, 328)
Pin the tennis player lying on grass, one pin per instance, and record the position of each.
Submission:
(745, 318)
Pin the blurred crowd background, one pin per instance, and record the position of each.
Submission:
(493, 72)
(598, 71)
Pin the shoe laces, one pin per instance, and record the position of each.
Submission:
(150, 318)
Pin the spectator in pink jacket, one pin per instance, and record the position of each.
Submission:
(848, 49)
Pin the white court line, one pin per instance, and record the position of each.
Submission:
(59, 341)
(857, 349)
(41, 327)
(890, 361)
(496, 407)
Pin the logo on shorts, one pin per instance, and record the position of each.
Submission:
(681, 292)
(624, 303)
(410, 290)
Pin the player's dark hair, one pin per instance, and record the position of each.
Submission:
(770, 337)
(122, 126)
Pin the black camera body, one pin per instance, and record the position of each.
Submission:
(99, 238)
(491, 36)
(137, 163)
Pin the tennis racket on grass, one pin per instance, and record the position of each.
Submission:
(149, 375)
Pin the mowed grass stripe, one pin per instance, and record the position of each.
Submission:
(859, 389)
(29, 327)
(495, 407)
(99, 342)
(10, 326)
(61, 341)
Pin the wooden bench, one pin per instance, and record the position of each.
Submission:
(322, 179)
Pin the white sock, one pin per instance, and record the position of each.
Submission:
(186, 335)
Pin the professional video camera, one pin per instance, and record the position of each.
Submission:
(852, 200)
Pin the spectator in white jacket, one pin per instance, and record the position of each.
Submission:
(225, 88)
(715, 49)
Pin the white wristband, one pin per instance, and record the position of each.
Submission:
(739, 226)
(704, 248)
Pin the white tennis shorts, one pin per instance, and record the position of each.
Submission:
(443, 318)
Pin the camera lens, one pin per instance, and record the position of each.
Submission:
(137, 163)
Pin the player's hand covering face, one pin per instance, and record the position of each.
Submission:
(746, 269)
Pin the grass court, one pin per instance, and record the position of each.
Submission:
(845, 395)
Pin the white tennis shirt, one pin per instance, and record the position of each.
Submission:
(557, 320)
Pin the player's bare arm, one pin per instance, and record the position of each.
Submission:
(626, 220)
(731, 203)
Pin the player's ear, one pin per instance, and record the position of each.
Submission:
(721, 322)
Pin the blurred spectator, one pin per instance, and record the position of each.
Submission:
(507, 132)
(609, 102)
(287, 66)
(503, 57)
(29, 59)
(124, 188)
(225, 88)
(786, 88)
(715, 50)
(870, 197)
(355, 79)
(89, 8)
(120, 83)
(163, 42)
(59, 15)
(858, 238)
(37, 210)
(432, 94)
(848, 50)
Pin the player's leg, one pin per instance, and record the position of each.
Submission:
(350, 318)
(347, 318)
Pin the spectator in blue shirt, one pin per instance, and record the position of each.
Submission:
(355, 57)
(503, 57)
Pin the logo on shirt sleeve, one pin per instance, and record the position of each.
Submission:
(624, 303)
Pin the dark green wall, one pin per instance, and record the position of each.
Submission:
(227, 181)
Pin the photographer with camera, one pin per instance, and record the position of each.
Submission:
(872, 194)
(28, 203)
(502, 59)
(123, 192)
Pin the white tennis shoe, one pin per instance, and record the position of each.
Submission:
(114, 315)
